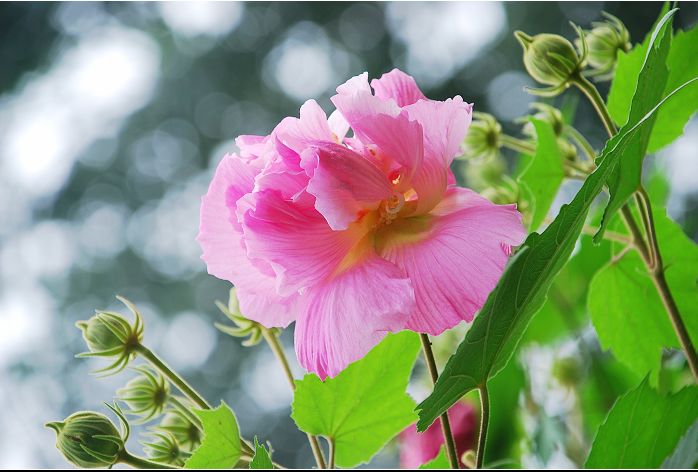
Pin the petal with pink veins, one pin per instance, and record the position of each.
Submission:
(345, 184)
(398, 86)
(296, 240)
(454, 256)
(347, 316)
(297, 133)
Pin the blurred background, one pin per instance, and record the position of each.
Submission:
(113, 117)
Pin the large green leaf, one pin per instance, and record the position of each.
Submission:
(627, 176)
(220, 447)
(685, 456)
(521, 291)
(682, 66)
(365, 405)
(625, 307)
(643, 428)
(545, 173)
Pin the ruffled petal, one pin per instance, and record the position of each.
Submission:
(445, 125)
(224, 252)
(295, 240)
(454, 256)
(345, 318)
(345, 185)
(297, 133)
(398, 86)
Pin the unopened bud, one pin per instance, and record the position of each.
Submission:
(546, 113)
(88, 440)
(109, 334)
(146, 395)
(550, 59)
(186, 433)
(483, 138)
(603, 43)
(244, 327)
(164, 448)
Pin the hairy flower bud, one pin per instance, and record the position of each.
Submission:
(88, 439)
(165, 448)
(146, 395)
(186, 433)
(483, 138)
(603, 42)
(109, 334)
(244, 327)
(550, 59)
(547, 113)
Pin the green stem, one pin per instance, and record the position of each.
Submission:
(583, 143)
(278, 351)
(484, 424)
(650, 255)
(142, 463)
(182, 408)
(445, 423)
(332, 453)
(594, 97)
(660, 283)
(178, 381)
(516, 144)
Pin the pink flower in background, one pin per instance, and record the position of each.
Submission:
(355, 237)
(419, 448)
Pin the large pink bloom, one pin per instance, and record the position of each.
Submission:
(419, 448)
(355, 237)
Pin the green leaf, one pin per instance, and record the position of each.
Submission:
(545, 173)
(685, 456)
(522, 289)
(261, 459)
(643, 428)
(220, 447)
(626, 310)
(438, 462)
(364, 406)
(652, 79)
(682, 67)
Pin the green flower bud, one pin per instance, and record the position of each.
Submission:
(483, 174)
(109, 334)
(603, 42)
(547, 113)
(550, 59)
(483, 138)
(146, 395)
(244, 327)
(165, 449)
(186, 433)
(88, 440)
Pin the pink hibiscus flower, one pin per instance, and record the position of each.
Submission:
(355, 237)
(419, 448)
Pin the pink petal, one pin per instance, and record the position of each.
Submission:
(338, 125)
(398, 139)
(358, 83)
(419, 448)
(350, 314)
(445, 125)
(297, 133)
(345, 184)
(224, 250)
(454, 256)
(399, 86)
(295, 239)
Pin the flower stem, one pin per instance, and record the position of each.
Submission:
(182, 408)
(516, 144)
(484, 424)
(142, 463)
(278, 351)
(445, 423)
(650, 252)
(178, 381)
(332, 453)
